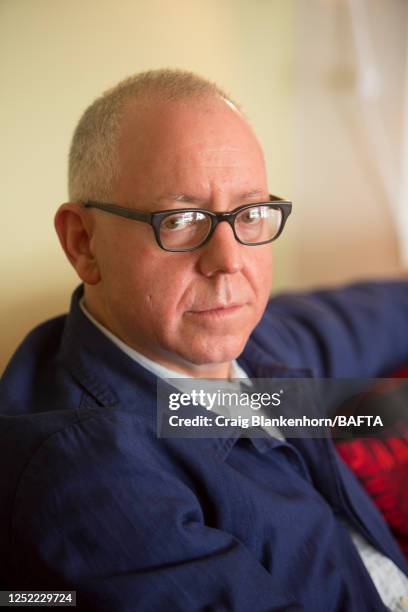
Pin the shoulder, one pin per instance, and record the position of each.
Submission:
(41, 339)
(34, 370)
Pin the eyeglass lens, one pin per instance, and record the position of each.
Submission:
(258, 224)
(189, 229)
(184, 230)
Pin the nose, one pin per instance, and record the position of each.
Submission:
(222, 253)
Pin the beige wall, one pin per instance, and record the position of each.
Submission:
(55, 57)
(290, 63)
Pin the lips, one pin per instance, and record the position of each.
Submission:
(218, 309)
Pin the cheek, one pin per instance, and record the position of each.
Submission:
(157, 282)
(125, 257)
(261, 272)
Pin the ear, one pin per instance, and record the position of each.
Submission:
(74, 227)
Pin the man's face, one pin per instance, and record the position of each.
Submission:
(192, 309)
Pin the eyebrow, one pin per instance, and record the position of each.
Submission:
(191, 199)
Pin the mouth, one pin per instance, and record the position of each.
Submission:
(217, 311)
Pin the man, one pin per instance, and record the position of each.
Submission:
(93, 500)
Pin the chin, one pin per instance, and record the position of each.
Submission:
(215, 350)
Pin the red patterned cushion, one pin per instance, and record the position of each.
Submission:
(381, 465)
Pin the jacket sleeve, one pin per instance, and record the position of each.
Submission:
(93, 516)
(356, 331)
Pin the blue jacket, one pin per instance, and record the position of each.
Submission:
(92, 500)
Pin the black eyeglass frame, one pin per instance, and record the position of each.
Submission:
(155, 218)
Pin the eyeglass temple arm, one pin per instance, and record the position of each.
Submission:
(119, 210)
(275, 198)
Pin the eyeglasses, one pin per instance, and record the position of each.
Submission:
(187, 229)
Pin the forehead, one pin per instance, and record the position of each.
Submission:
(190, 145)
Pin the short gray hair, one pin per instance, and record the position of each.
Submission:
(93, 156)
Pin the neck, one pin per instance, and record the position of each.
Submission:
(208, 370)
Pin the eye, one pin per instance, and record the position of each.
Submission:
(174, 223)
(181, 221)
(251, 216)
